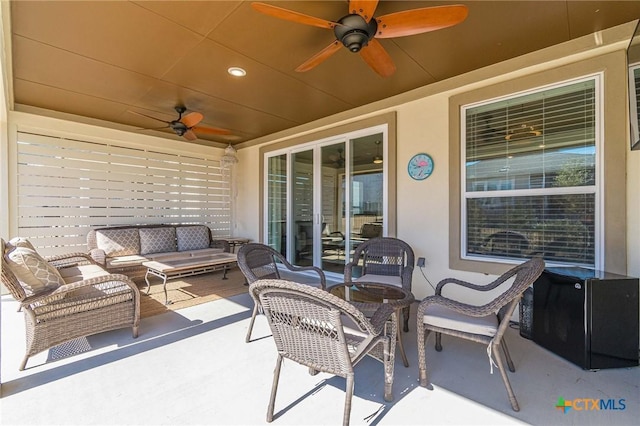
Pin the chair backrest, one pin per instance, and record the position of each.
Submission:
(523, 277)
(371, 230)
(384, 256)
(258, 261)
(307, 324)
(506, 243)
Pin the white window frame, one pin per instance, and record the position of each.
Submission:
(596, 189)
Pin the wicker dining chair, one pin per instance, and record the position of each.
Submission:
(384, 260)
(323, 332)
(483, 324)
(259, 261)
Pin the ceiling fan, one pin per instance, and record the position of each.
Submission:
(186, 126)
(338, 159)
(359, 30)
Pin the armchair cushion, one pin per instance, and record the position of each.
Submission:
(192, 237)
(81, 272)
(119, 242)
(34, 273)
(443, 317)
(157, 240)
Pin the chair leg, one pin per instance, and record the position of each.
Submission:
(253, 319)
(439, 342)
(274, 389)
(405, 311)
(422, 356)
(24, 362)
(388, 365)
(347, 400)
(507, 356)
(505, 379)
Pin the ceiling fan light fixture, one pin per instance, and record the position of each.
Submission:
(237, 71)
(377, 159)
(524, 131)
(355, 32)
(229, 158)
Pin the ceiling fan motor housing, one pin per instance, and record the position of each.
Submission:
(179, 127)
(354, 32)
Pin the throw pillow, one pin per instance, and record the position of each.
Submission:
(157, 240)
(21, 242)
(118, 242)
(34, 273)
(192, 237)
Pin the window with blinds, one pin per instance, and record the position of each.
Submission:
(530, 172)
(66, 187)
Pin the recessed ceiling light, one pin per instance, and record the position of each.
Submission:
(237, 71)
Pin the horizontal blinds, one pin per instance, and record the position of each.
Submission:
(530, 175)
(65, 187)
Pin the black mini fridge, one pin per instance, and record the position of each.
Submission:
(587, 317)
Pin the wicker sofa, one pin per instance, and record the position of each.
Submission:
(123, 249)
(66, 297)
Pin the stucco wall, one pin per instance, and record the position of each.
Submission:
(423, 126)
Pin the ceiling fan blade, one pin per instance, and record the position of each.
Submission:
(319, 57)
(364, 8)
(416, 21)
(192, 119)
(377, 57)
(212, 130)
(148, 116)
(189, 135)
(290, 15)
(154, 128)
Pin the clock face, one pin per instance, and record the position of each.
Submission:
(420, 166)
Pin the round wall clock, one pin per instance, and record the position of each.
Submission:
(420, 166)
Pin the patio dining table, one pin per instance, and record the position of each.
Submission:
(367, 297)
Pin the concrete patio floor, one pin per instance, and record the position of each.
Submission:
(193, 367)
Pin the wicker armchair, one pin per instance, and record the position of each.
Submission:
(383, 260)
(76, 309)
(483, 324)
(307, 326)
(259, 261)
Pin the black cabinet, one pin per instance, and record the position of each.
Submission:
(587, 317)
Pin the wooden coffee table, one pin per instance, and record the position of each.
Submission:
(168, 269)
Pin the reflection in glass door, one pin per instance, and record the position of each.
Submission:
(332, 200)
(366, 190)
(302, 201)
(277, 203)
(329, 200)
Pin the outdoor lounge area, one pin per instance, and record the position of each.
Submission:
(174, 165)
(193, 366)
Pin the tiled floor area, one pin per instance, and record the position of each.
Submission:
(193, 367)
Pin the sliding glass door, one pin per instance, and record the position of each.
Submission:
(325, 198)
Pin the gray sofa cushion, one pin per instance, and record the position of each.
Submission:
(157, 240)
(192, 237)
(118, 242)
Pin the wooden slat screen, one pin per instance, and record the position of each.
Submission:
(65, 187)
